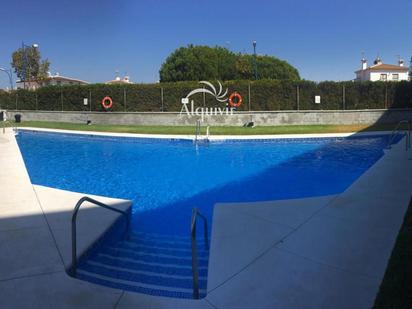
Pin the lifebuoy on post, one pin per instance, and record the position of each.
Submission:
(232, 98)
(107, 102)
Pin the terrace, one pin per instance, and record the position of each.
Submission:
(329, 251)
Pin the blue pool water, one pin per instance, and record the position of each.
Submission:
(167, 178)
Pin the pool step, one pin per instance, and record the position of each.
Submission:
(147, 263)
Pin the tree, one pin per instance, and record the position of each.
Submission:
(268, 67)
(244, 68)
(198, 63)
(207, 63)
(274, 68)
(28, 65)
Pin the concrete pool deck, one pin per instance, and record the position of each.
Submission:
(318, 252)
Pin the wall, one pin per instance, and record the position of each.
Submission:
(237, 119)
(367, 75)
(363, 75)
(376, 75)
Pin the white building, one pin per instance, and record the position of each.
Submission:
(50, 80)
(382, 72)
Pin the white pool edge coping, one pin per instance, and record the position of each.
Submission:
(211, 137)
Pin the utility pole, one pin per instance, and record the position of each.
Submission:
(255, 59)
(24, 64)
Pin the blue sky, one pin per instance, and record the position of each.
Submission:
(92, 39)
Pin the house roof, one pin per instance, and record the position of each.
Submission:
(118, 80)
(55, 77)
(58, 77)
(115, 81)
(385, 67)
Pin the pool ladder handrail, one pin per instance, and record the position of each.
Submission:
(73, 269)
(6, 122)
(396, 130)
(195, 273)
(197, 131)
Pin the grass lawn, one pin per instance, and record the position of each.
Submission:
(396, 287)
(214, 130)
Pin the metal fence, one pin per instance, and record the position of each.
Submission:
(255, 97)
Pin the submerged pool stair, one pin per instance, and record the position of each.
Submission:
(399, 128)
(147, 263)
(155, 264)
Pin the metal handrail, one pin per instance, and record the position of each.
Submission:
(408, 134)
(6, 122)
(197, 130)
(74, 217)
(195, 272)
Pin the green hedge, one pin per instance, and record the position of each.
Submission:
(265, 95)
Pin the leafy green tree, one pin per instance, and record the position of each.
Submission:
(274, 68)
(198, 63)
(244, 67)
(27, 64)
(268, 67)
(206, 63)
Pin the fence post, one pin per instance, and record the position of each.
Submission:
(90, 100)
(124, 98)
(249, 97)
(297, 97)
(386, 96)
(161, 98)
(61, 97)
(343, 97)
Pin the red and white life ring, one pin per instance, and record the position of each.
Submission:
(232, 97)
(107, 102)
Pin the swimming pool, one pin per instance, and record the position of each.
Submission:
(166, 178)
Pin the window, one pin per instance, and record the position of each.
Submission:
(395, 76)
(384, 77)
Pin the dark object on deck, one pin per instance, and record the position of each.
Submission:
(17, 118)
(88, 122)
(250, 124)
(1, 116)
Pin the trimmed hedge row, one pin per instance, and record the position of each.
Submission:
(263, 95)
